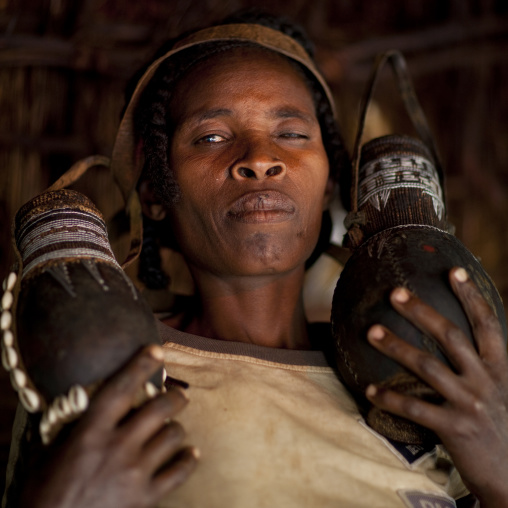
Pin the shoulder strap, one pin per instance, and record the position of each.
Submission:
(133, 206)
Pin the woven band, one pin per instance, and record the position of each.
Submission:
(379, 177)
(60, 227)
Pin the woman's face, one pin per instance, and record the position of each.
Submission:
(249, 160)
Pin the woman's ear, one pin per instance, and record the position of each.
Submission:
(150, 202)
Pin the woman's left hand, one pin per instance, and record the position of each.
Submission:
(472, 423)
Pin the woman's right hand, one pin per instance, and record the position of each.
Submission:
(115, 456)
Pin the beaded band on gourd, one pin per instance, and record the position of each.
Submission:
(53, 231)
(380, 177)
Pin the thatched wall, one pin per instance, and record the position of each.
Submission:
(64, 65)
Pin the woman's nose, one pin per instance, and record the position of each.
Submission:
(259, 161)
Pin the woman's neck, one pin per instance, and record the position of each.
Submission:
(267, 311)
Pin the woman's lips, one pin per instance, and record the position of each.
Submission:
(262, 206)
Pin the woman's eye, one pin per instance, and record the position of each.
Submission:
(211, 138)
(294, 135)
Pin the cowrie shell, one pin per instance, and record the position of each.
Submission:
(5, 320)
(8, 338)
(10, 281)
(7, 300)
(44, 426)
(78, 399)
(30, 400)
(52, 416)
(151, 390)
(62, 407)
(9, 358)
(18, 379)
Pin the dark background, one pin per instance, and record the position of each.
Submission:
(64, 65)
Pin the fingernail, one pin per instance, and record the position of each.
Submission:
(376, 332)
(196, 453)
(401, 295)
(460, 275)
(371, 391)
(156, 352)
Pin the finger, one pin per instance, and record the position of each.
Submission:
(429, 415)
(117, 395)
(423, 364)
(484, 322)
(174, 474)
(451, 339)
(163, 446)
(153, 415)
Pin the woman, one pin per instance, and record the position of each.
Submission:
(240, 155)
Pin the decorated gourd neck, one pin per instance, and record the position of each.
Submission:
(61, 225)
(398, 185)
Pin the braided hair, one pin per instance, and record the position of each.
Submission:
(155, 128)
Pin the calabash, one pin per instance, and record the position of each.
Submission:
(406, 243)
(75, 317)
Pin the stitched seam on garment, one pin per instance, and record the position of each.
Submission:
(247, 359)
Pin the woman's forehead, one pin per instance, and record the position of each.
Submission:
(255, 72)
